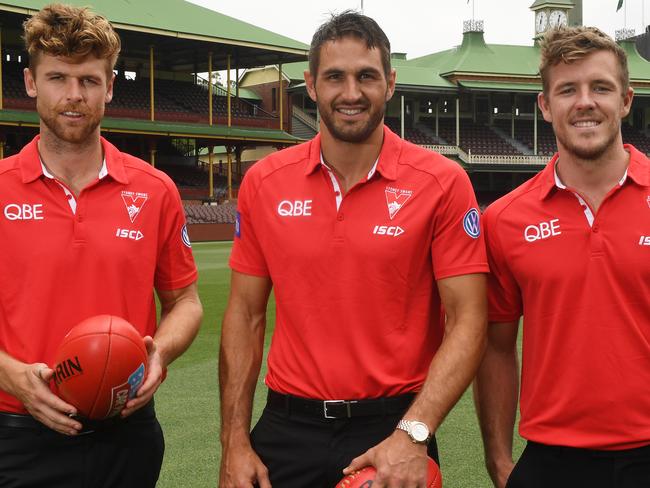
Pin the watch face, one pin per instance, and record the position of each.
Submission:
(540, 21)
(419, 431)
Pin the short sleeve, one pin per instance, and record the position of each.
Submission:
(504, 295)
(457, 247)
(247, 256)
(175, 267)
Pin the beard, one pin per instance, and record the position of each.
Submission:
(76, 134)
(589, 150)
(352, 132)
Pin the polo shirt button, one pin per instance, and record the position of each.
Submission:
(340, 217)
(595, 228)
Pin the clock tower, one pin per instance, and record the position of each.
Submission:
(550, 14)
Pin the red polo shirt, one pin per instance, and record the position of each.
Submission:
(358, 312)
(57, 267)
(582, 282)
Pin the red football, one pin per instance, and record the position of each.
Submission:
(365, 477)
(99, 365)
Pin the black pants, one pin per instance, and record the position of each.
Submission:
(125, 455)
(302, 451)
(542, 466)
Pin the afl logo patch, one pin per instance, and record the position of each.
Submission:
(185, 236)
(471, 223)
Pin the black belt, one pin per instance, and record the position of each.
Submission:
(18, 421)
(338, 409)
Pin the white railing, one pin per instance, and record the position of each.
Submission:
(469, 158)
(507, 159)
(305, 118)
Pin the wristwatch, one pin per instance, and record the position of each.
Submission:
(417, 431)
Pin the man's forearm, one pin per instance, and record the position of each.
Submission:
(9, 368)
(240, 359)
(451, 371)
(455, 362)
(180, 320)
(495, 394)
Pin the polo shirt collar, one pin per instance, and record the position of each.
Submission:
(638, 171)
(386, 164)
(31, 168)
(639, 168)
(548, 183)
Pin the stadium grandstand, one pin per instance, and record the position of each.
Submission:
(475, 103)
(167, 107)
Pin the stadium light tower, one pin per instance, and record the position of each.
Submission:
(361, 6)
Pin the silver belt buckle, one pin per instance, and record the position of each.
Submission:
(346, 402)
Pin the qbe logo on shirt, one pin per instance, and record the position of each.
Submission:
(24, 211)
(295, 208)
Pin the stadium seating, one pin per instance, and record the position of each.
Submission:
(636, 138)
(524, 132)
(210, 214)
(176, 101)
(413, 134)
(475, 137)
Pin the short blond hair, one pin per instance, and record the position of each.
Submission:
(570, 44)
(63, 30)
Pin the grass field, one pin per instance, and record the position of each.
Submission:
(188, 405)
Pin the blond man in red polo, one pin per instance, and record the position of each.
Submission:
(569, 251)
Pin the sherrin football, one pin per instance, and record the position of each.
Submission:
(99, 366)
(364, 478)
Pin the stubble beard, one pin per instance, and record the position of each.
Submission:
(348, 132)
(589, 152)
(70, 135)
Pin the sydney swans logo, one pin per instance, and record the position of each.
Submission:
(134, 202)
(395, 199)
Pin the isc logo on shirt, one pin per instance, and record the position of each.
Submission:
(134, 235)
(388, 230)
(295, 208)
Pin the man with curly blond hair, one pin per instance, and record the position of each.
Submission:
(65, 197)
(569, 251)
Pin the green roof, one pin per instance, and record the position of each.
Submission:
(243, 93)
(178, 18)
(414, 76)
(295, 71)
(164, 129)
(551, 4)
(639, 67)
(408, 75)
(502, 86)
(474, 56)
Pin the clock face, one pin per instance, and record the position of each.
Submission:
(557, 19)
(541, 21)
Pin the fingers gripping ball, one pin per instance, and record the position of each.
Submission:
(364, 478)
(100, 365)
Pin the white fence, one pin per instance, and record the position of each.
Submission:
(469, 158)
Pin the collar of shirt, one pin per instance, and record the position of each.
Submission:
(102, 171)
(31, 167)
(638, 171)
(386, 163)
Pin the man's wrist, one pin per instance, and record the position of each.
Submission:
(419, 432)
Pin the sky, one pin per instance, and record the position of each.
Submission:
(419, 27)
